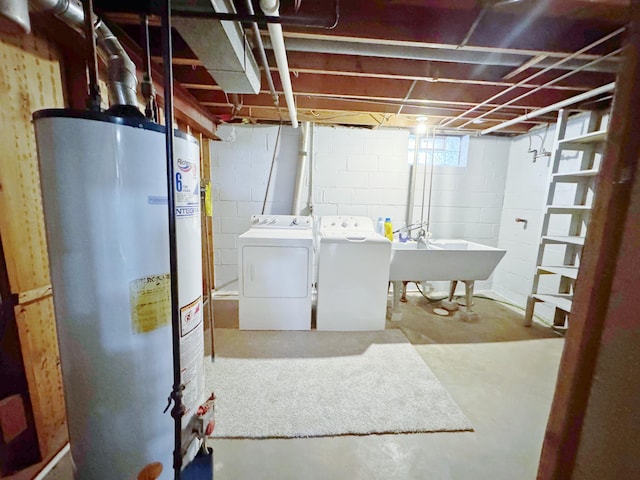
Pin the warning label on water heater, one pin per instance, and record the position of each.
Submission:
(190, 316)
(150, 301)
(187, 185)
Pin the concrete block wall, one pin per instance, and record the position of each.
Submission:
(525, 193)
(361, 172)
(240, 167)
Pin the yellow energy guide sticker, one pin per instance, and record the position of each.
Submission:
(150, 299)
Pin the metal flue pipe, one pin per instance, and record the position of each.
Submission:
(270, 7)
(15, 15)
(121, 71)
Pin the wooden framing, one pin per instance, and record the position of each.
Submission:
(598, 271)
(30, 79)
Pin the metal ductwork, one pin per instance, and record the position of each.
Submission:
(14, 14)
(221, 46)
(121, 71)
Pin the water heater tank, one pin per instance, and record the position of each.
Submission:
(104, 188)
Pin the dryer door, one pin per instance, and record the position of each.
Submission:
(275, 271)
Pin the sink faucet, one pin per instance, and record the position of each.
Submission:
(422, 238)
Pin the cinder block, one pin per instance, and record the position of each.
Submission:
(225, 208)
(491, 215)
(322, 209)
(236, 192)
(440, 182)
(397, 162)
(351, 179)
(246, 209)
(225, 274)
(455, 214)
(479, 230)
(486, 199)
(332, 162)
(233, 225)
(362, 162)
(338, 195)
(229, 257)
(355, 210)
(225, 240)
(257, 193)
(385, 180)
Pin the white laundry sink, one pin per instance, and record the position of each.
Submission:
(443, 260)
(453, 260)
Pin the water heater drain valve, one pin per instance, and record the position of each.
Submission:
(205, 421)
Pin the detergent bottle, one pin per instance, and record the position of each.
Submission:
(388, 229)
(380, 226)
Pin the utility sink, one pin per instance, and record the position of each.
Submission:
(435, 260)
(443, 260)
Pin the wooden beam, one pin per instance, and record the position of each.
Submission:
(316, 103)
(601, 254)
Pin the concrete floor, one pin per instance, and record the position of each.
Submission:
(501, 375)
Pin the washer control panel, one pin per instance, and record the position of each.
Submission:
(345, 224)
(281, 221)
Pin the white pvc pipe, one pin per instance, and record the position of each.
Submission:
(303, 156)
(609, 87)
(270, 7)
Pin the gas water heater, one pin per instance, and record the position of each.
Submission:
(104, 188)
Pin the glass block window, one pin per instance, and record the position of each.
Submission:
(441, 150)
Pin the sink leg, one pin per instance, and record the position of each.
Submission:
(468, 315)
(452, 289)
(396, 316)
(449, 304)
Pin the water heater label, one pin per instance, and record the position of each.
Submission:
(191, 357)
(150, 300)
(187, 189)
(190, 316)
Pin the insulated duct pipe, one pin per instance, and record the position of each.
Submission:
(16, 13)
(303, 155)
(121, 71)
(270, 7)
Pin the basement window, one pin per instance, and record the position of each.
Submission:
(441, 150)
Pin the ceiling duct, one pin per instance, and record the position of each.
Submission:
(14, 15)
(220, 45)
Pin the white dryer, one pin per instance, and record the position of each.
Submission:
(275, 259)
(353, 275)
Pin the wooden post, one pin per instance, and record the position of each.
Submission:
(598, 269)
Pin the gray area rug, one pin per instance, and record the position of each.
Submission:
(309, 384)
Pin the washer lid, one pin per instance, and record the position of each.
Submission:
(353, 238)
(278, 233)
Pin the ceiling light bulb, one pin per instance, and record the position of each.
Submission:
(421, 128)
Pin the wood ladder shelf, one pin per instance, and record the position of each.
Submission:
(566, 264)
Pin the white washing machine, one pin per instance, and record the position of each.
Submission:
(353, 275)
(275, 259)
